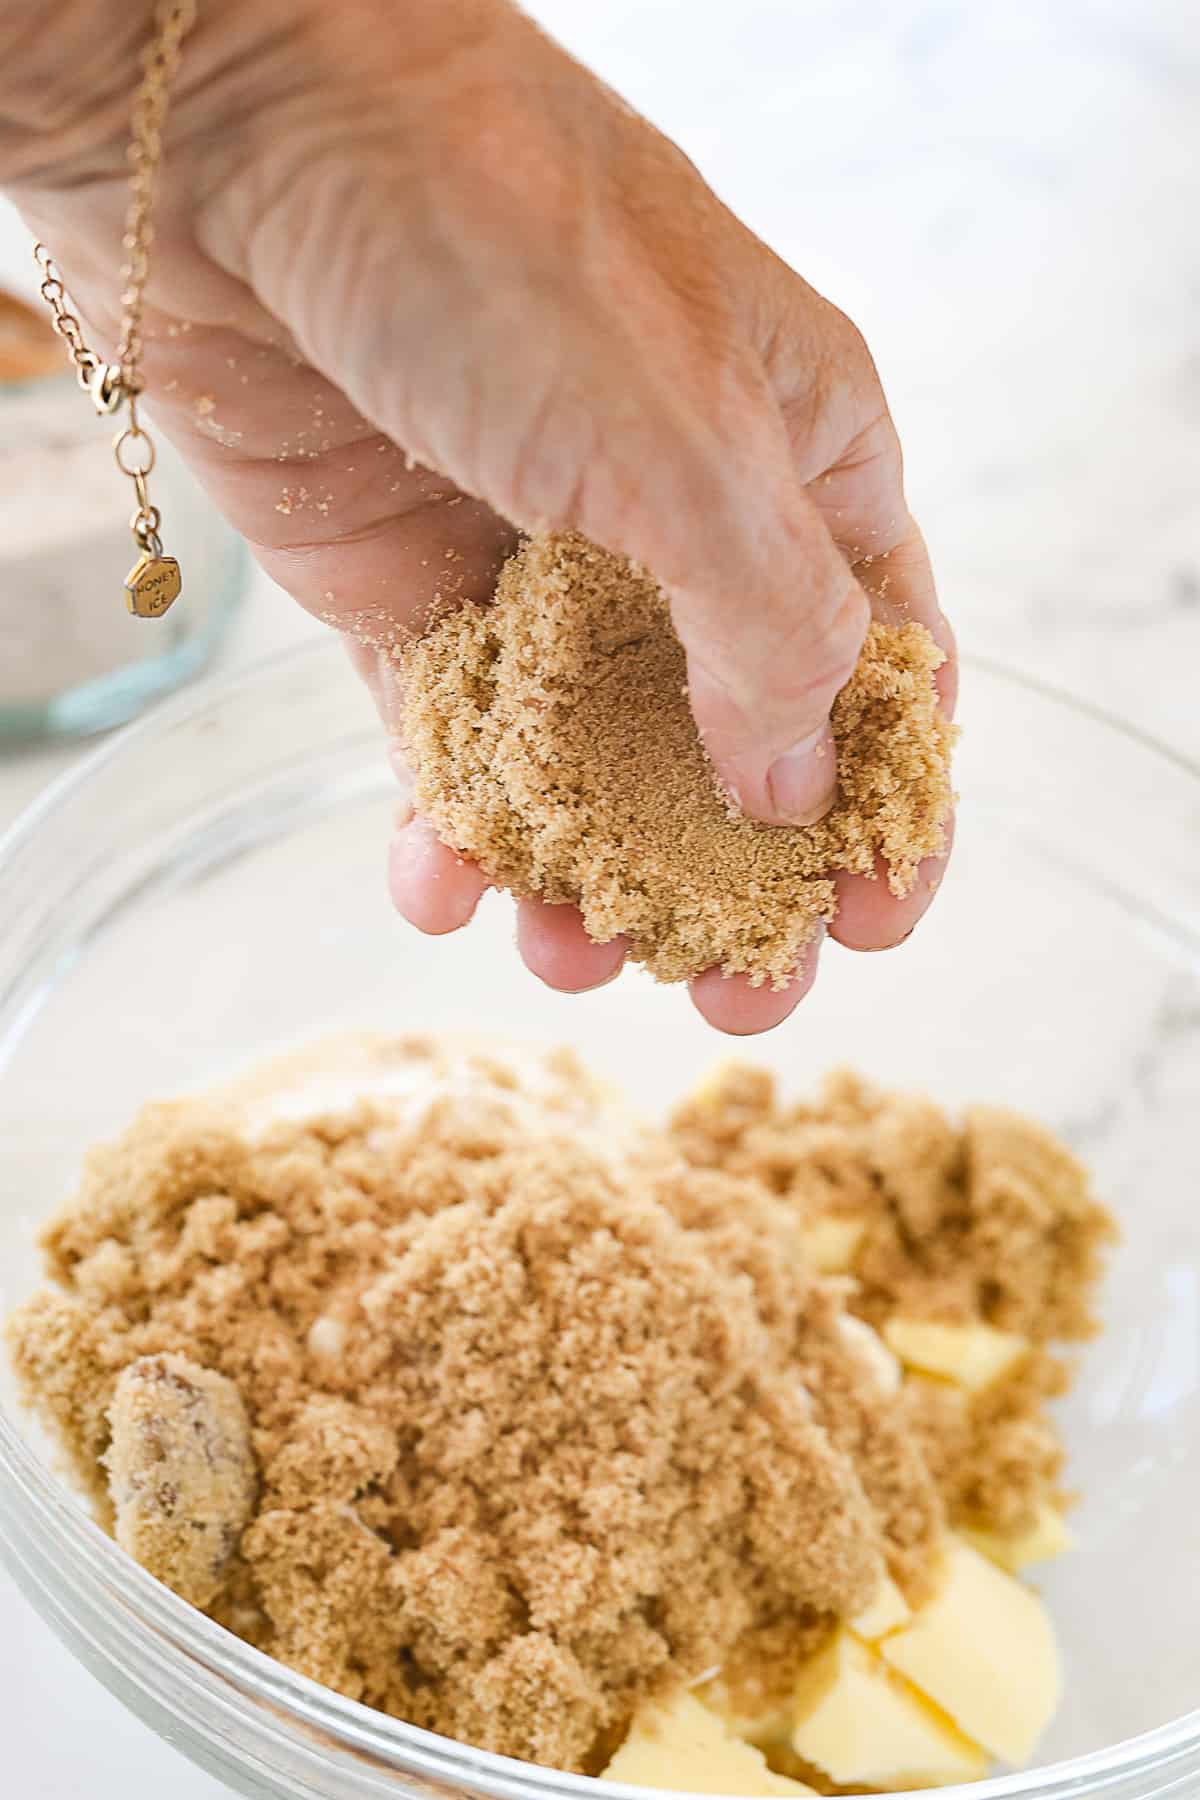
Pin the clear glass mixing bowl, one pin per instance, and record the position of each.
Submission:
(210, 885)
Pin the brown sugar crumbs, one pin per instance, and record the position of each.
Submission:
(553, 743)
(992, 1220)
(428, 1371)
(180, 1471)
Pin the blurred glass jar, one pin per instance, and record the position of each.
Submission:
(73, 660)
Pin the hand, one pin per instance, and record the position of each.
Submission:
(418, 275)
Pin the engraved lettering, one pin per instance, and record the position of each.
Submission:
(152, 585)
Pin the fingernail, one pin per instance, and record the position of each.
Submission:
(801, 784)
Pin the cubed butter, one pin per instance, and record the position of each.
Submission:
(888, 1611)
(679, 1743)
(865, 1344)
(763, 1719)
(982, 1648)
(972, 1355)
(831, 1244)
(1045, 1539)
(861, 1724)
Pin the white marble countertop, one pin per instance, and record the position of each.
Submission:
(1004, 199)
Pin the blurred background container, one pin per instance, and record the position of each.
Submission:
(73, 660)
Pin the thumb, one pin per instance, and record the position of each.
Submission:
(770, 641)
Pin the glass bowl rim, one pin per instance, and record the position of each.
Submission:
(191, 1637)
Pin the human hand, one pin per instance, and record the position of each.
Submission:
(388, 247)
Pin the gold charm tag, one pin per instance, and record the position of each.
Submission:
(152, 585)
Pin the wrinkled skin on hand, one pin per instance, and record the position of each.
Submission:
(417, 274)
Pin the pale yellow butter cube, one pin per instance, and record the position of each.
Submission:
(861, 1724)
(982, 1648)
(888, 1611)
(974, 1356)
(832, 1243)
(679, 1743)
(1045, 1539)
(871, 1353)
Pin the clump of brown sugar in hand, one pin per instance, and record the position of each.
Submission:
(553, 744)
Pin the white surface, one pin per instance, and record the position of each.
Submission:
(1001, 198)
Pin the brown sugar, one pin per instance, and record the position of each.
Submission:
(428, 1370)
(996, 1456)
(991, 1220)
(541, 1418)
(180, 1472)
(553, 744)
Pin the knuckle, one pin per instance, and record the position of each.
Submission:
(817, 656)
(830, 389)
(845, 627)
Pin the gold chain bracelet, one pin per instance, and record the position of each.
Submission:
(154, 580)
